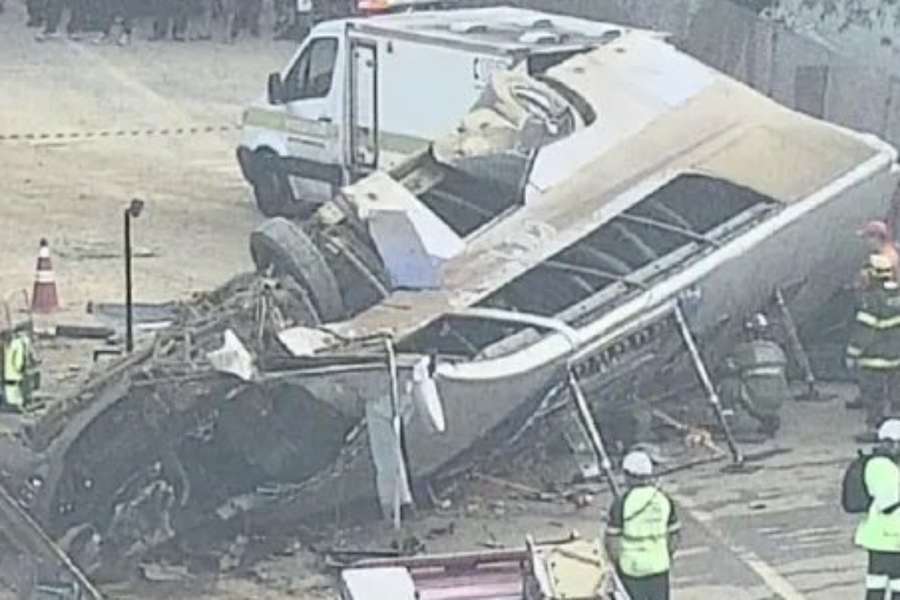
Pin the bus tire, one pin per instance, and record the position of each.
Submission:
(287, 249)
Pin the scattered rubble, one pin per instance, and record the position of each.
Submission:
(46, 557)
(234, 556)
(173, 391)
(107, 457)
(164, 572)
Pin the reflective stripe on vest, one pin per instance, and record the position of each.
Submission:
(14, 358)
(645, 545)
(764, 371)
(878, 363)
(870, 320)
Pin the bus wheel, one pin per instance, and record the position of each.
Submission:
(284, 247)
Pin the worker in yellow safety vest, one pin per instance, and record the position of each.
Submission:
(873, 350)
(17, 364)
(879, 532)
(642, 532)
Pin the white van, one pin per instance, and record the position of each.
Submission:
(362, 94)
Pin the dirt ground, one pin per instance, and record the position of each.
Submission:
(72, 190)
(778, 533)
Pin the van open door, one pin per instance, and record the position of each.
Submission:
(362, 138)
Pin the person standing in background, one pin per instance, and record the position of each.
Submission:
(205, 17)
(37, 12)
(53, 12)
(111, 12)
(294, 20)
(18, 362)
(250, 14)
(79, 15)
(170, 19)
(873, 350)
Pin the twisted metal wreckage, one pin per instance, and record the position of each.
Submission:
(556, 232)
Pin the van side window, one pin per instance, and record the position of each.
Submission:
(312, 74)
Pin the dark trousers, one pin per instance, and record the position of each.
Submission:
(654, 587)
(878, 391)
(297, 29)
(37, 12)
(170, 15)
(284, 13)
(883, 574)
(78, 16)
(737, 396)
(54, 12)
(110, 10)
(249, 13)
(53, 15)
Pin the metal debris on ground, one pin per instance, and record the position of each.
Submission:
(19, 528)
(184, 436)
(522, 490)
(234, 556)
(161, 399)
(163, 572)
(542, 570)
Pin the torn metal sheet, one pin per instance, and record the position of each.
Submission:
(411, 240)
(370, 584)
(577, 569)
(305, 341)
(548, 570)
(28, 537)
(426, 396)
(391, 473)
(233, 357)
(580, 446)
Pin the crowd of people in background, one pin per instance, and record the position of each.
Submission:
(107, 21)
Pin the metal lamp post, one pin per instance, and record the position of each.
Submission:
(133, 211)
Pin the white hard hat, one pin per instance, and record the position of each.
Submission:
(758, 322)
(889, 431)
(639, 464)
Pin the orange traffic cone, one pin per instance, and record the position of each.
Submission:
(44, 298)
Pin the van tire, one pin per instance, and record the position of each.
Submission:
(284, 246)
(271, 187)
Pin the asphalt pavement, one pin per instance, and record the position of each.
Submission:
(779, 532)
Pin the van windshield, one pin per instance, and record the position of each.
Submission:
(313, 73)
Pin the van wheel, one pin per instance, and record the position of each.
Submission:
(284, 247)
(273, 192)
(271, 188)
